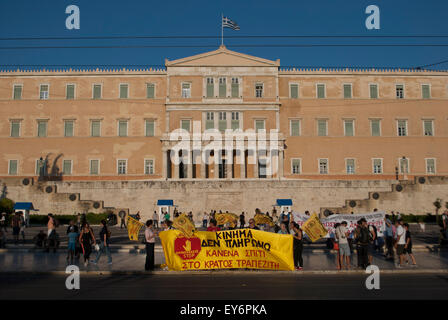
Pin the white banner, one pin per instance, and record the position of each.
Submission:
(373, 218)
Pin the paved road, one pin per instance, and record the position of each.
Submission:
(225, 286)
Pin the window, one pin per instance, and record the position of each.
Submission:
(426, 91)
(377, 166)
(222, 87)
(121, 166)
(373, 91)
(347, 91)
(296, 166)
(404, 165)
(150, 90)
(222, 124)
(210, 88)
(44, 92)
(185, 124)
(13, 167)
(68, 128)
(186, 90)
(402, 128)
(430, 166)
(375, 127)
(124, 91)
(149, 128)
(323, 166)
(235, 88)
(428, 128)
(17, 92)
(42, 128)
(38, 167)
(322, 130)
(350, 166)
(294, 91)
(67, 167)
(349, 128)
(235, 120)
(399, 89)
(94, 166)
(321, 91)
(259, 125)
(149, 166)
(15, 128)
(210, 120)
(95, 128)
(97, 91)
(122, 128)
(295, 128)
(259, 90)
(70, 92)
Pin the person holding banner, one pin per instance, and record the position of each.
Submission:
(297, 245)
(150, 240)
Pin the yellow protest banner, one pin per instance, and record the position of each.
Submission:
(314, 228)
(134, 227)
(230, 249)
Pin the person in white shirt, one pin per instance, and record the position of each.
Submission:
(401, 242)
(205, 220)
(342, 233)
(150, 239)
(155, 218)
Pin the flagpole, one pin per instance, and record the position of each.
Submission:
(222, 30)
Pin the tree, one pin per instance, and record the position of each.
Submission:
(6, 205)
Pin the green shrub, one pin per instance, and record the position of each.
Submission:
(6, 205)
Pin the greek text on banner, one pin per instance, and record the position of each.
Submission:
(231, 249)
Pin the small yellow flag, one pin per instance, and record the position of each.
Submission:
(134, 227)
(314, 228)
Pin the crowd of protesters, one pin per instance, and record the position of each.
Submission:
(395, 244)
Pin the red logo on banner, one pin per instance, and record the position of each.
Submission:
(187, 248)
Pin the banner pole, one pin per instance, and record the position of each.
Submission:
(222, 30)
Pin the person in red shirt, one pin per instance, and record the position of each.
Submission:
(212, 226)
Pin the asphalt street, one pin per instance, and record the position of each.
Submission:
(222, 286)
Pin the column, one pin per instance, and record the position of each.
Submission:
(190, 165)
(165, 162)
(243, 165)
(256, 164)
(280, 163)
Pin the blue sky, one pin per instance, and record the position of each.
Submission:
(46, 18)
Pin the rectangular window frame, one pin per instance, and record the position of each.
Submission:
(259, 92)
(379, 127)
(345, 128)
(93, 91)
(429, 90)
(127, 90)
(12, 122)
(91, 128)
(292, 165)
(351, 90)
(317, 90)
(432, 127)
(396, 91)
(90, 167)
(9, 167)
(148, 85)
(327, 166)
(186, 96)
(118, 127)
(326, 127)
(125, 166)
(381, 166)
(19, 85)
(65, 128)
(66, 91)
(153, 166)
(46, 128)
(406, 128)
(147, 121)
(346, 166)
(435, 165)
(63, 167)
(255, 124)
(290, 127)
(291, 84)
(189, 124)
(40, 91)
(377, 90)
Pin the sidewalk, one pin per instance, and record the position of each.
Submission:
(39, 262)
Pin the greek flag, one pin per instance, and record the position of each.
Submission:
(227, 23)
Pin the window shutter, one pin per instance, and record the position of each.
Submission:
(42, 129)
(321, 91)
(17, 92)
(12, 166)
(68, 132)
(122, 128)
(97, 91)
(235, 90)
(373, 91)
(295, 128)
(15, 129)
(149, 128)
(95, 128)
(322, 128)
(347, 91)
(294, 91)
(428, 127)
(123, 91)
(375, 128)
(259, 125)
(70, 91)
(186, 125)
(94, 166)
(425, 91)
(150, 91)
(348, 128)
(67, 167)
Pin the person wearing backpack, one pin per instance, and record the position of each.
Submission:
(363, 241)
(104, 243)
